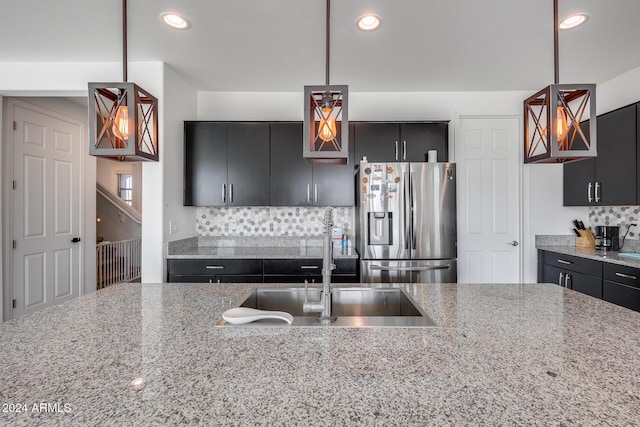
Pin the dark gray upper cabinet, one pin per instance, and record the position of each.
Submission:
(400, 141)
(248, 162)
(296, 182)
(226, 164)
(610, 178)
(291, 175)
(205, 163)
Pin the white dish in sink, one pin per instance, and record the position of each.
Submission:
(241, 315)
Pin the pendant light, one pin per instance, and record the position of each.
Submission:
(123, 117)
(326, 124)
(556, 129)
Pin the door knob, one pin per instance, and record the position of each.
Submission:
(513, 243)
(75, 240)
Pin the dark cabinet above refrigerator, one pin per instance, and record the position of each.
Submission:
(400, 141)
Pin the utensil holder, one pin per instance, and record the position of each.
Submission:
(586, 239)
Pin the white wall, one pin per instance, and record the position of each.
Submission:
(180, 105)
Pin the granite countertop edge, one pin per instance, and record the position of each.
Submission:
(259, 247)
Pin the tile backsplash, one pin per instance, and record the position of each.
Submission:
(269, 221)
(621, 216)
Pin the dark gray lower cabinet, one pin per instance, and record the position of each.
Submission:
(214, 270)
(622, 286)
(617, 284)
(299, 270)
(580, 274)
(258, 271)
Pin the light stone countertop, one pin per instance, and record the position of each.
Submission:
(253, 248)
(531, 354)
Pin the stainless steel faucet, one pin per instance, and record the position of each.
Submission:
(324, 305)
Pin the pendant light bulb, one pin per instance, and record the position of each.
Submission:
(120, 126)
(327, 128)
(561, 124)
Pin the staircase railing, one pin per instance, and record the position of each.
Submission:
(118, 262)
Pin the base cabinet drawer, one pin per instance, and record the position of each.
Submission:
(214, 267)
(621, 294)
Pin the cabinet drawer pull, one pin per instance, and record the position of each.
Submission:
(314, 267)
(560, 279)
(626, 276)
(404, 150)
(214, 267)
(561, 261)
(396, 151)
(589, 196)
(308, 193)
(224, 193)
(598, 198)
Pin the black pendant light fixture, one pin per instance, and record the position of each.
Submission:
(123, 117)
(556, 128)
(326, 120)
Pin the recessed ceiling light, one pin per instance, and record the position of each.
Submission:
(174, 20)
(573, 21)
(369, 22)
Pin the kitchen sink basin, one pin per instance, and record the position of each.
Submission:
(354, 307)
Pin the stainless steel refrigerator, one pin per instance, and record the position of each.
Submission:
(406, 222)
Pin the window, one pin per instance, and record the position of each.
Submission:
(125, 187)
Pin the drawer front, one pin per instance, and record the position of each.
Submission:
(298, 267)
(622, 274)
(216, 267)
(345, 266)
(187, 278)
(586, 284)
(572, 263)
(623, 295)
(298, 279)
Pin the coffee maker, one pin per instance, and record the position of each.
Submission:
(608, 237)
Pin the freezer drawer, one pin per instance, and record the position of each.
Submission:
(384, 271)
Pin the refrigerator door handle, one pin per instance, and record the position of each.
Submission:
(437, 267)
(413, 217)
(407, 221)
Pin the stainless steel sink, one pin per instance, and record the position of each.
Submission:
(354, 307)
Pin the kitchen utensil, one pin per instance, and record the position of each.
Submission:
(576, 232)
(241, 315)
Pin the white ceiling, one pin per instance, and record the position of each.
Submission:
(278, 45)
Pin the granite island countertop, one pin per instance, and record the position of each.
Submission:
(500, 355)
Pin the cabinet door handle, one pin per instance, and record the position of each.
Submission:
(598, 198)
(626, 276)
(224, 193)
(589, 196)
(214, 267)
(230, 193)
(396, 150)
(567, 281)
(315, 193)
(561, 261)
(560, 279)
(404, 150)
(308, 193)
(313, 267)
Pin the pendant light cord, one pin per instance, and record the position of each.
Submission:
(556, 71)
(124, 40)
(327, 38)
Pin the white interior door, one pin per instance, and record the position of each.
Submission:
(46, 209)
(488, 156)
